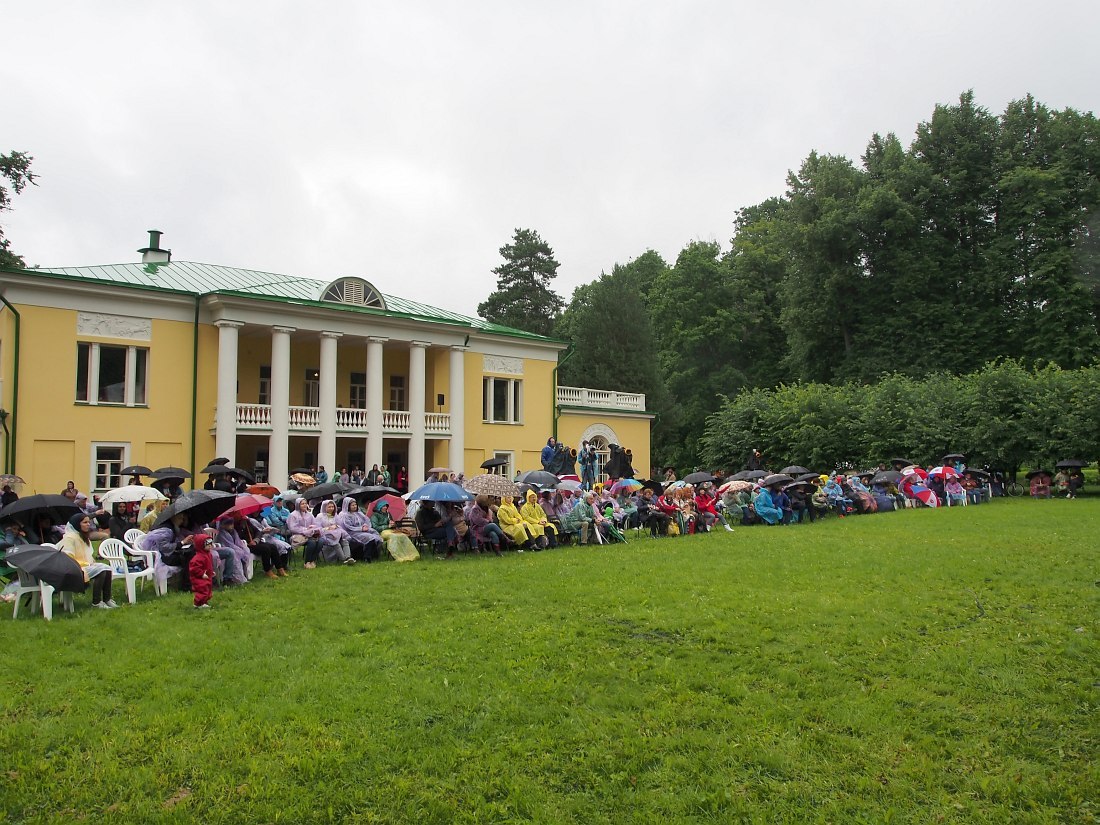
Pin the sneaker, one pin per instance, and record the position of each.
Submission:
(349, 561)
(100, 605)
(202, 607)
(729, 529)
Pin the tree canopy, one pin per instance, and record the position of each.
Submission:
(523, 298)
(15, 168)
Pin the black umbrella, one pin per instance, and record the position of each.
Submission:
(222, 461)
(776, 478)
(905, 462)
(170, 472)
(795, 470)
(239, 473)
(974, 471)
(1070, 464)
(370, 492)
(1032, 474)
(800, 485)
(653, 485)
(700, 477)
(214, 469)
(164, 483)
(886, 477)
(808, 477)
(539, 477)
(863, 474)
(50, 565)
(490, 463)
(749, 475)
(328, 490)
(57, 507)
(201, 505)
(953, 457)
(135, 470)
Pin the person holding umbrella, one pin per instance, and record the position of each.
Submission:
(77, 542)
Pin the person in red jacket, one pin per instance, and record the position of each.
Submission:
(202, 571)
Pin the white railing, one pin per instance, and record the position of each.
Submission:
(255, 417)
(607, 399)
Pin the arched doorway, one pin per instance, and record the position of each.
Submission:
(600, 437)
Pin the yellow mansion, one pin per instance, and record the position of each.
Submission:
(163, 362)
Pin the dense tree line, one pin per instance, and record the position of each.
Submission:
(979, 241)
(1003, 414)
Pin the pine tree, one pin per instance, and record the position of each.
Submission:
(523, 298)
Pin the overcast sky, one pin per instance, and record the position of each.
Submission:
(403, 142)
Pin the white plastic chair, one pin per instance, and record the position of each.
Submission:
(41, 594)
(114, 553)
(133, 536)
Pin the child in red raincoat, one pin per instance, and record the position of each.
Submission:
(202, 571)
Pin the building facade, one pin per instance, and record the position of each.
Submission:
(163, 362)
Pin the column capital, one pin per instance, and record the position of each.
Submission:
(284, 330)
(420, 344)
(459, 348)
(226, 324)
(330, 334)
(377, 339)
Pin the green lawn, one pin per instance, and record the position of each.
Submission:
(923, 666)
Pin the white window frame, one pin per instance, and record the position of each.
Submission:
(263, 390)
(312, 393)
(94, 463)
(357, 393)
(513, 413)
(398, 396)
(509, 468)
(129, 398)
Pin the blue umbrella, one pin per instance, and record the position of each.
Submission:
(440, 491)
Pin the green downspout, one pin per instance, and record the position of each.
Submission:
(9, 453)
(554, 411)
(194, 388)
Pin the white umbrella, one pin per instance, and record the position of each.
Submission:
(130, 494)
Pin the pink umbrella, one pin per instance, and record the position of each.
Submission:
(397, 506)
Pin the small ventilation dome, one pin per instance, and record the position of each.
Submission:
(353, 291)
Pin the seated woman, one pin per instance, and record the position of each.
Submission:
(486, 531)
(581, 518)
(398, 544)
(834, 492)
(801, 509)
(511, 522)
(227, 539)
(335, 546)
(435, 527)
(260, 541)
(172, 542)
(1040, 486)
(650, 514)
(305, 532)
(364, 541)
(765, 507)
(954, 490)
(706, 504)
(538, 522)
(77, 542)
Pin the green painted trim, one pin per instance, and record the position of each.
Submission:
(194, 388)
(607, 410)
(555, 410)
(13, 445)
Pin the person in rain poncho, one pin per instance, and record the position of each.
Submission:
(334, 541)
(538, 522)
(365, 541)
(398, 544)
(511, 522)
(77, 542)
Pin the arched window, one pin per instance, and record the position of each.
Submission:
(603, 452)
(353, 291)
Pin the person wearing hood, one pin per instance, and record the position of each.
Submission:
(486, 531)
(77, 542)
(548, 453)
(398, 544)
(305, 532)
(764, 505)
(236, 563)
(334, 541)
(434, 527)
(538, 522)
(511, 523)
(364, 540)
(201, 570)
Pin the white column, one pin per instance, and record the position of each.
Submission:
(375, 389)
(326, 445)
(278, 447)
(225, 422)
(457, 388)
(417, 468)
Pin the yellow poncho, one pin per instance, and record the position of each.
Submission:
(511, 522)
(534, 516)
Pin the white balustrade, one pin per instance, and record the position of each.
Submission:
(437, 422)
(351, 419)
(396, 421)
(607, 399)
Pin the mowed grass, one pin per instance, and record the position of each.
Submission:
(923, 666)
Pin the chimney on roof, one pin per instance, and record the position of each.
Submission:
(153, 254)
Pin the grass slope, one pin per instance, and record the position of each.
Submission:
(921, 666)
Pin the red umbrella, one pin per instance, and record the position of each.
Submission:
(397, 506)
(246, 505)
(268, 490)
(945, 472)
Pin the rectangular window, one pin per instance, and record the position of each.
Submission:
(502, 400)
(264, 393)
(313, 389)
(358, 391)
(509, 469)
(397, 392)
(111, 375)
(108, 460)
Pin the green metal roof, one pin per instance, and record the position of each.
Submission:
(201, 279)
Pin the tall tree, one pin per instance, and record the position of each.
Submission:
(523, 298)
(16, 169)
